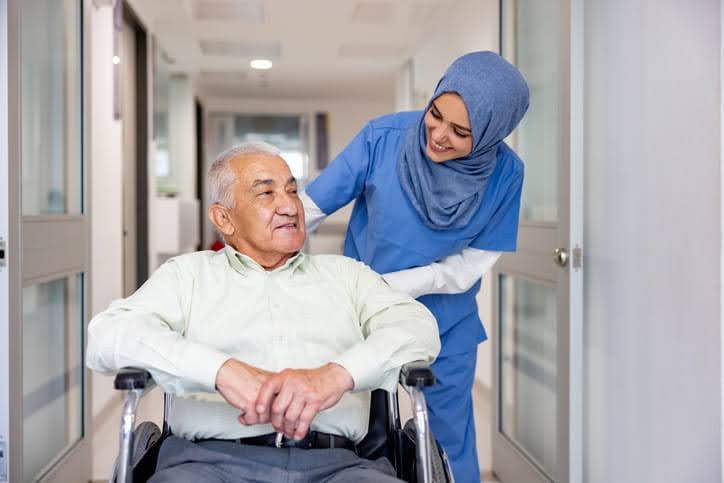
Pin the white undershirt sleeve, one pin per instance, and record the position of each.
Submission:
(453, 274)
(313, 215)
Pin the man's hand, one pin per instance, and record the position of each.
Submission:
(239, 384)
(292, 398)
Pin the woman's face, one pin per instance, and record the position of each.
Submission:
(448, 129)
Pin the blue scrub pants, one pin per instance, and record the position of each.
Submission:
(450, 409)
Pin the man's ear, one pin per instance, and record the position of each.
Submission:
(219, 217)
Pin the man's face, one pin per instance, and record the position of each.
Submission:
(267, 220)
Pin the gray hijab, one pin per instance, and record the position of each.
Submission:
(447, 195)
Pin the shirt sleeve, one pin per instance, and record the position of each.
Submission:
(453, 274)
(396, 330)
(501, 232)
(345, 177)
(145, 330)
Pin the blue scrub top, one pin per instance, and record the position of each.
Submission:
(386, 233)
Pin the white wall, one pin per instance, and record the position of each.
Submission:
(652, 242)
(106, 212)
(106, 236)
(470, 25)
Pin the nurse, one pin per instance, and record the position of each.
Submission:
(437, 196)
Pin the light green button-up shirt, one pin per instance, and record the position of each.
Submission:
(198, 310)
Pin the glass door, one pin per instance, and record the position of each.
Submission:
(537, 290)
(44, 395)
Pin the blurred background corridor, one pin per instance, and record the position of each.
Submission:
(604, 358)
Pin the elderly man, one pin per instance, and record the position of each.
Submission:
(261, 338)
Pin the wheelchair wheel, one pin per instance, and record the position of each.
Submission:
(441, 472)
(144, 436)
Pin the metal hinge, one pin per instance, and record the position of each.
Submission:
(3, 254)
(577, 258)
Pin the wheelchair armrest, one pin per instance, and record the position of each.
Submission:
(417, 374)
(130, 378)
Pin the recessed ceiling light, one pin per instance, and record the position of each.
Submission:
(261, 64)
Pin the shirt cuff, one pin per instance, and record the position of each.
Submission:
(412, 281)
(202, 364)
(357, 362)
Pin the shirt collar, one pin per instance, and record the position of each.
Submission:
(243, 263)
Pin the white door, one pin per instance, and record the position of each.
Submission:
(537, 290)
(44, 401)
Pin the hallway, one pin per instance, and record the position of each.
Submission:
(602, 304)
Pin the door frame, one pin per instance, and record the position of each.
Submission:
(74, 463)
(566, 233)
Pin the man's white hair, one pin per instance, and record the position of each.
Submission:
(220, 177)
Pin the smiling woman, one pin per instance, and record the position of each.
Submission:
(448, 129)
(437, 195)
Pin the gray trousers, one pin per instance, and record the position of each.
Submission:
(182, 461)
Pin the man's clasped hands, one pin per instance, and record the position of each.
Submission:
(289, 399)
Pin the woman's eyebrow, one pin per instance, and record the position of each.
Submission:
(454, 124)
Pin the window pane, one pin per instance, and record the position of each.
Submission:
(531, 40)
(51, 106)
(529, 370)
(53, 383)
(161, 80)
(283, 132)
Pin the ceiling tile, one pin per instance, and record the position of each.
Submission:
(376, 13)
(240, 49)
(248, 12)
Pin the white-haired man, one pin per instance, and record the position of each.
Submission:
(260, 338)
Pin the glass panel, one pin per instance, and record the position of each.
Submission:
(531, 40)
(284, 132)
(53, 383)
(529, 370)
(51, 106)
(161, 87)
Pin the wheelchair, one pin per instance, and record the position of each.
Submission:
(411, 449)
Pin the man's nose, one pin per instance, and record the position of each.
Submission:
(287, 205)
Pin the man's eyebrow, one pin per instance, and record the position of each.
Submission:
(291, 180)
(267, 182)
(456, 125)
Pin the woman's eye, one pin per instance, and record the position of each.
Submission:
(462, 134)
(435, 114)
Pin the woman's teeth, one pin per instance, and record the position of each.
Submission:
(438, 147)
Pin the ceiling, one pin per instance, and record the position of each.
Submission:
(320, 48)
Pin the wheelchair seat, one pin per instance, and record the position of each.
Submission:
(385, 437)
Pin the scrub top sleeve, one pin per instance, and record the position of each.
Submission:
(344, 179)
(501, 232)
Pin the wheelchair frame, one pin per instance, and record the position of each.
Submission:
(414, 376)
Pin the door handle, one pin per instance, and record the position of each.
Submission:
(560, 256)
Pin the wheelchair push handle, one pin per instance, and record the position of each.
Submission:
(417, 374)
(130, 378)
